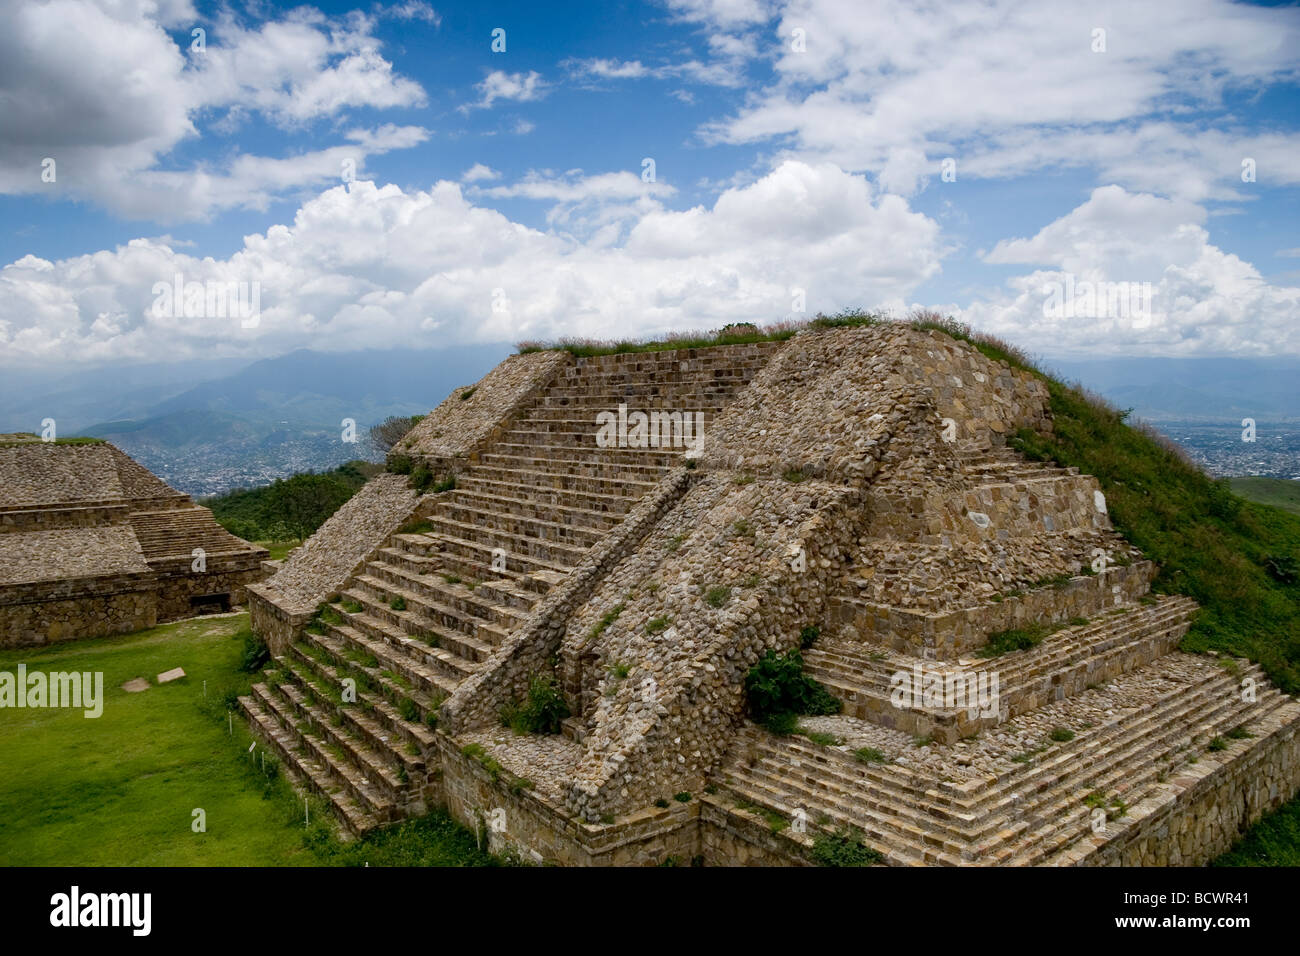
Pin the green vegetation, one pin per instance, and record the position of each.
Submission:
(740, 333)
(25, 438)
(125, 785)
(1275, 492)
(870, 755)
(658, 625)
(717, 596)
(1273, 841)
(542, 711)
(844, 848)
(1061, 734)
(808, 636)
(821, 739)
(779, 691)
(1004, 642)
(1238, 559)
(398, 603)
(289, 509)
(608, 618)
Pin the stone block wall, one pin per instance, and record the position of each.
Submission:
(539, 831)
(35, 614)
(946, 635)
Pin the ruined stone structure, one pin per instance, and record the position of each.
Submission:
(853, 491)
(91, 544)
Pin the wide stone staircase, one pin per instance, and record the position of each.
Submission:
(1029, 796)
(350, 707)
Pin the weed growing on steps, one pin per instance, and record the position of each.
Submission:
(844, 848)
(779, 692)
(542, 711)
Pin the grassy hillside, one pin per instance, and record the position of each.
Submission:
(1276, 492)
(289, 508)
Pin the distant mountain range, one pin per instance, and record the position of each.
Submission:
(1201, 390)
(209, 426)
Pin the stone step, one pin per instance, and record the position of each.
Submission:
(633, 461)
(1128, 752)
(599, 512)
(451, 547)
(424, 555)
(531, 481)
(423, 685)
(585, 438)
(541, 524)
(307, 771)
(378, 767)
(436, 604)
(545, 553)
(383, 729)
(1066, 663)
(305, 659)
(960, 632)
(901, 844)
(327, 772)
(394, 566)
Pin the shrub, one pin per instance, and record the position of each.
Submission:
(255, 653)
(658, 625)
(717, 596)
(777, 689)
(1061, 734)
(869, 755)
(468, 392)
(408, 710)
(543, 710)
(398, 603)
(844, 848)
(1004, 642)
(808, 635)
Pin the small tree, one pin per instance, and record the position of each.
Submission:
(391, 430)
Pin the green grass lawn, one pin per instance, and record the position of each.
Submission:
(279, 549)
(1278, 492)
(120, 789)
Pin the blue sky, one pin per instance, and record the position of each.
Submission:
(797, 147)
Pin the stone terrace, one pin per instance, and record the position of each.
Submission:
(91, 543)
(854, 485)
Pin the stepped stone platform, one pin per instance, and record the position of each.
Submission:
(635, 531)
(92, 543)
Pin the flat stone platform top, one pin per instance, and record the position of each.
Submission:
(28, 557)
(73, 510)
(34, 473)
